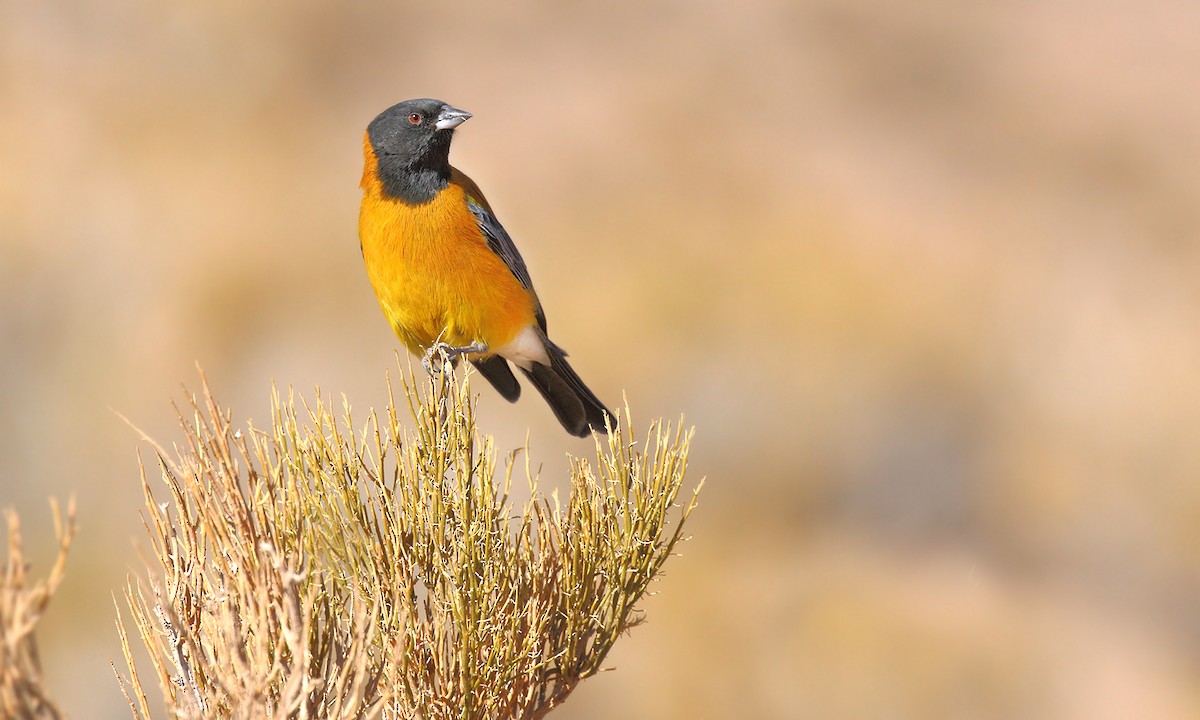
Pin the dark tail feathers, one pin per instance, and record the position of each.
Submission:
(575, 406)
(497, 372)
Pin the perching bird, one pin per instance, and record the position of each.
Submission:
(447, 275)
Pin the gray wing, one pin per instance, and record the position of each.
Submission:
(501, 244)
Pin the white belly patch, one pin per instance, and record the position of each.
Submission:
(524, 349)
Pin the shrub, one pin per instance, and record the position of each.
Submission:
(23, 601)
(323, 569)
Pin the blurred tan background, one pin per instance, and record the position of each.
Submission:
(924, 276)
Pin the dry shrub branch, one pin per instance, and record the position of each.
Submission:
(327, 569)
(23, 601)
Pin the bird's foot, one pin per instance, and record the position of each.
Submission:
(447, 353)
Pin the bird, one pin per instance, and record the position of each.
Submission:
(447, 275)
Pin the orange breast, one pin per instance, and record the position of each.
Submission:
(433, 272)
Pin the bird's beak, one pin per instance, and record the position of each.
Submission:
(451, 117)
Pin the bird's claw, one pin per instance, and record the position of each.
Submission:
(447, 354)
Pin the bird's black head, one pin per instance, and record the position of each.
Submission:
(411, 141)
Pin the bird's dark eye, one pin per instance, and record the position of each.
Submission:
(415, 119)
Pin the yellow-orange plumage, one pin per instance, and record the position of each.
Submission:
(432, 270)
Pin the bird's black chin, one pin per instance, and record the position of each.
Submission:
(414, 184)
(420, 170)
